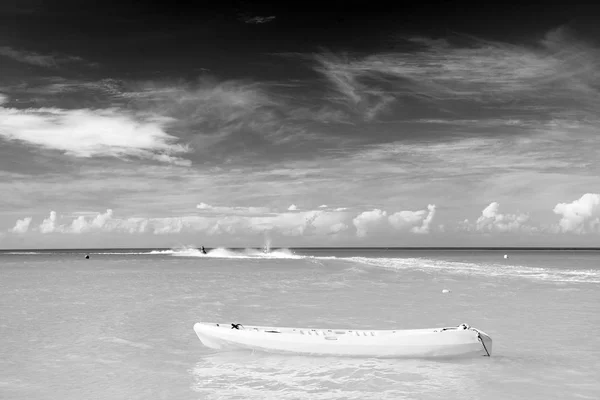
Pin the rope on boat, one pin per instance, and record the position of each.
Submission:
(483, 343)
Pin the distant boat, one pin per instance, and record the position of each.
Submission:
(400, 343)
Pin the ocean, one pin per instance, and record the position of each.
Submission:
(119, 324)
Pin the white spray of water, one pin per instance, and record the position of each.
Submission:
(267, 246)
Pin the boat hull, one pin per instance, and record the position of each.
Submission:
(462, 341)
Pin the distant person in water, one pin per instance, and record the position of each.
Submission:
(202, 250)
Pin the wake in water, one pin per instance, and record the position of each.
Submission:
(548, 274)
(222, 252)
(486, 269)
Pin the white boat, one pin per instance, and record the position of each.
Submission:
(461, 340)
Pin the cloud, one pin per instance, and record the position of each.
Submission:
(307, 223)
(325, 114)
(542, 76)
(211, 220)
(90, 133)
(367, 221)
(231, 210)
(49, 224)
(415, 221)
(217, 120)
(256, 19)
(234, 114)
(33, 58)
(208, 107)
(491, 220)
(22, 225)
(364, 100)
(206, 111)
(581, 215)
(82, 224)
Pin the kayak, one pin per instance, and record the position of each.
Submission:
(461, 340)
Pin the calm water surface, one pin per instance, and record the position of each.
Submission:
(119, 326)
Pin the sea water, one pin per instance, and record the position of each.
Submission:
(119, 324)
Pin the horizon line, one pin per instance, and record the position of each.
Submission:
(572, 248)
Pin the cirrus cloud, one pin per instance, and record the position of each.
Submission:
(557, 72)
(33, 58)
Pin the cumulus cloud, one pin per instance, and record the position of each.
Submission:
(492, 220)
(81, 224)
(49, 224)
(314, 222)
(89, 133)
(338, 228)
(415, 221)
(306, 223)
(581, 215)
(99, 222)
(368, 220)
(377, 220)
(22, 225)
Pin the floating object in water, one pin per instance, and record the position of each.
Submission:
(446, 291)
(87, 256)
(400, 343)
(506, 256)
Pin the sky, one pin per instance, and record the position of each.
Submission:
(150, 124)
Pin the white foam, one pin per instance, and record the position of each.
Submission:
(486, 269)
(222, 252)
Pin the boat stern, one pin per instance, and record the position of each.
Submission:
(486, 342)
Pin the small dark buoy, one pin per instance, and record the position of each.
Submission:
(87, 256)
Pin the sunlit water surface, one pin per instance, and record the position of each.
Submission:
(119, 326)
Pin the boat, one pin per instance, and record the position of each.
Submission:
(458, 341)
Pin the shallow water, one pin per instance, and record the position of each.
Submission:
(119, 326)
